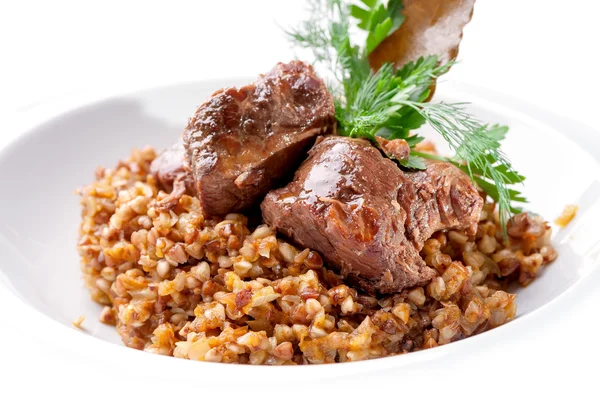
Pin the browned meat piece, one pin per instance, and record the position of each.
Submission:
(368, 218)
(241, 142)
(172, 171)
(439, 198)
(396, 149)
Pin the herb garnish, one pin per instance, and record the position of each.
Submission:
(391, 103)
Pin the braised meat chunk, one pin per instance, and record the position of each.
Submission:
(173, 172)
(394, 149)
(368, 218)
(241, 142)
(441, 197)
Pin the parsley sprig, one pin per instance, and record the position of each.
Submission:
(392, 102)
(378, 20)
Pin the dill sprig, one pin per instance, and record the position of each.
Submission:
(392, 102)
(327, 35)
(477, 151)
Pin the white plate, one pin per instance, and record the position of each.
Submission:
(63, 143)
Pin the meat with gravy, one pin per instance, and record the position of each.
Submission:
(241, 142)
(367, 217)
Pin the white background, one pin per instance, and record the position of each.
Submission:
(543, 50)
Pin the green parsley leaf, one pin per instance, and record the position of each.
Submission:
(414, 162)
(378, 20)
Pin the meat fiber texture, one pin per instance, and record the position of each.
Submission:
(242, 142)
(367, 217)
